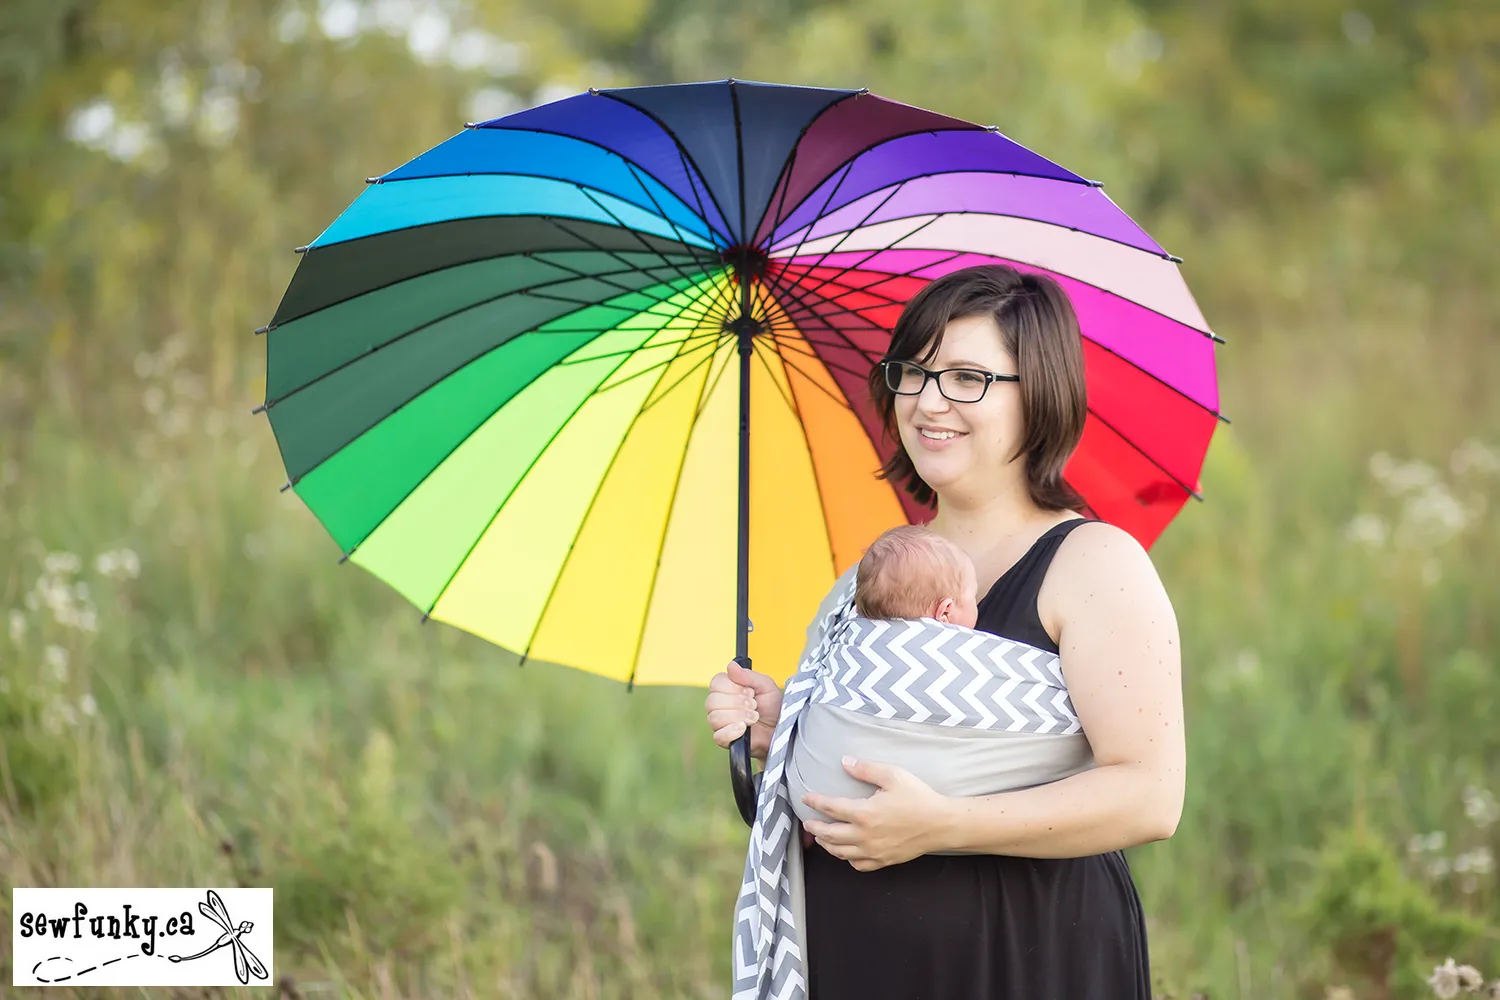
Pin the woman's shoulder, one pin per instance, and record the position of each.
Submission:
(1098, 565)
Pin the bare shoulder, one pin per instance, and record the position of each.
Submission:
(1100, 571)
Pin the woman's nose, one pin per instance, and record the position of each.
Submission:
(931, 398)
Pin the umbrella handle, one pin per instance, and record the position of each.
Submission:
(746, 784)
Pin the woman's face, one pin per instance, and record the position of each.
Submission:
(962, 449)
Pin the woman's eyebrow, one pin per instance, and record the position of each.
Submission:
(961, 363)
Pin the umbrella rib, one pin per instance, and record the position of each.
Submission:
(609, 253)
(848, 164)
(529, 254)
(707, 359)
(635, 659)
(995, 257)
(657, 365)
(834, 249)
(807, 445)
(607, 149)
(783, 340)
(767, 365)
(797, 299)
(506, 499)
(681, 149)
(633, 232)
(1010, 215)
(582, 521)
(654, 208)
(529, 292)
(781, 345)
(836, 185)
(822, 260)
(1156, 378)
(1146, 455)
(637, 175)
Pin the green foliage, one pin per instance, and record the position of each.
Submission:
(261, 714)
(1380, 926)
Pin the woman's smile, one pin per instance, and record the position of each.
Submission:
(938, 438)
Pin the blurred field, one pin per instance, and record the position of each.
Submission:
(191, 690)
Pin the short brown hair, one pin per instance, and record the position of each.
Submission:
(1040, 330)
(890, 582)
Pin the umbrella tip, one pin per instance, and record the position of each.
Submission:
(285, 486)
(259, 409)
(1093, 183)
(1174, 258)
(344, 557)
(263, 329)
(372, 180)
(594, 91)
(1223, 418)
(426, 618)
(301, 249)
(863, 90)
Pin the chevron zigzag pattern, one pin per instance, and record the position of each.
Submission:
(913, 670)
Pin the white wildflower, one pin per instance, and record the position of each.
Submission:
(1433, 515)
(1439, 867)
(88, 706)
(154, 400)
(56, 658)
(1435, 841)
(1405, 477)
(1480, 806)
(1480, 861)
(1444, 980)
(1474, 456)
(17, 625)
(120, 564)
(61, 562)
(1470, 979)
(1367, 529)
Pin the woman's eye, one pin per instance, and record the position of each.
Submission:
(970, 378)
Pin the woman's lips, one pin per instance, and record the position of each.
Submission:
(938, 439)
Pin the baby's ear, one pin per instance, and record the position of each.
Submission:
(944, 610)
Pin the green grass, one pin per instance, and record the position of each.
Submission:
(438, 820)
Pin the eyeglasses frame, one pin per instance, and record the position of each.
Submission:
(990, 378)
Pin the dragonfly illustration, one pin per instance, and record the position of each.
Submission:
(245, 961)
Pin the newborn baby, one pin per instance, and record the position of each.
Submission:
(912, 572)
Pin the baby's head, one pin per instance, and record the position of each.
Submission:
(912, 572)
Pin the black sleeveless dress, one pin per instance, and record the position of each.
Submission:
(980, 927)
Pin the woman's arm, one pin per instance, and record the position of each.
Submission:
(1120, 657)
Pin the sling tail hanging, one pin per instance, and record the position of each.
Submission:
(919, 670)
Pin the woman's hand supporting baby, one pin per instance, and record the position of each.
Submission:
(738, 698)
(904, 819)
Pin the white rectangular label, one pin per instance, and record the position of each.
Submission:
(141, 937)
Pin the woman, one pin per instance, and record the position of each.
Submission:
(1021, 895)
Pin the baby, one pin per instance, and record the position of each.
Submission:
(908, 572)
(913, 572)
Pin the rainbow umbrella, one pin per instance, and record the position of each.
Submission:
(588, 380)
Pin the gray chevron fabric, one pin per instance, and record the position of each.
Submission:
(915, 670)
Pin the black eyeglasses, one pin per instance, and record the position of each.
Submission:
(960, 385)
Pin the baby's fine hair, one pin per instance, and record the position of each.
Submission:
(895, 575)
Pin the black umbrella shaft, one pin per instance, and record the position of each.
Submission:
(746, 335)
(739, 752)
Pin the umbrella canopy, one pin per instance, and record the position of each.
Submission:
(589, 380)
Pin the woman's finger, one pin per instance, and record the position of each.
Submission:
(847, 810)
(832, 833)
(843, 852)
